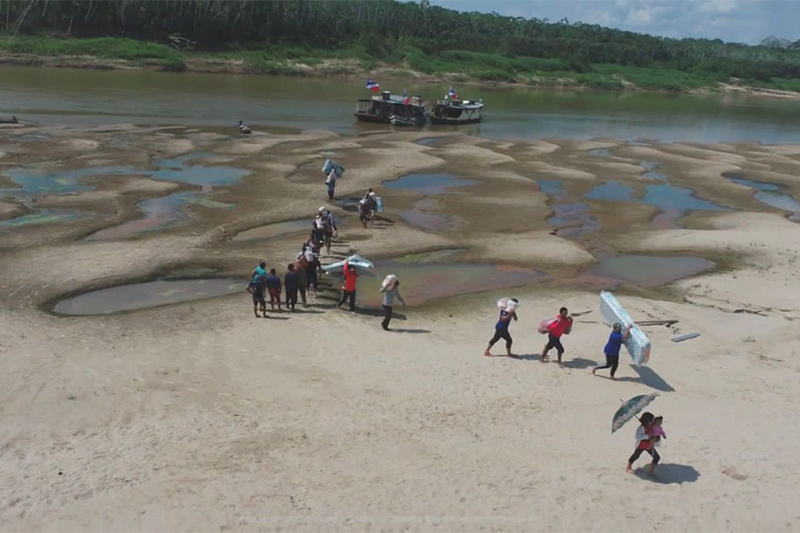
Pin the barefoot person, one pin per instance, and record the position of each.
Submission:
(612, 348)
(507, 313)
(274, 288)
(560, 326)
(349, 289)
(391, 290)
(644, 443)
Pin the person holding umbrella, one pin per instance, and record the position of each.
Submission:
(644, 443)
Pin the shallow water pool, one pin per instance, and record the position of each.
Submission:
(427, 183)
(135, 296)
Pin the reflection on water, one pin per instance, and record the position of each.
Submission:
(430, 141)
(772, 195)
(554, 188)
(572, 220)
(611, 190)
(601, 152)
(145, 295)
(113, 97)
(178, 169)
(646, 271)
(650, 170)
(423, 282)
(427, 183)
(43, 216)
(159, 212)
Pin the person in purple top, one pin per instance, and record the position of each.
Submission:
(501, 330)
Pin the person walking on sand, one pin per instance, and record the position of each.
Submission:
(644, 443)
(363, 212)
(329, 227)
(330, 183)
(612, 348)
(256, 289)
(507, 313)
(560, 326)
(349, 289)
(274, 288)
(301, 266)
(290, 286)
(312, 277)
(391, 290)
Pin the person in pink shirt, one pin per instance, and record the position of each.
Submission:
(656, 430)
(560, 326)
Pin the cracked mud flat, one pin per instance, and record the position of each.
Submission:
(199, 416)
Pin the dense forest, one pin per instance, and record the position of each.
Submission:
(424, 37)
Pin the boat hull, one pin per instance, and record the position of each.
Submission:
(453, 121)
(371, 117)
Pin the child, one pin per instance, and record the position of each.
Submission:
(501, 328)
(612, 348)
(656, 430)
(561, 325)
(644, 443)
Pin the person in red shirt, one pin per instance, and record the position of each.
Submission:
(560, 326)
(349, 290)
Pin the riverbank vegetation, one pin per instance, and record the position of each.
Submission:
(307, 37)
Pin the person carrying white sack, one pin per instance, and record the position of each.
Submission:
(390, 287)
(508, 311)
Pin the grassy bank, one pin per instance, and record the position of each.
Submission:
(402, 60)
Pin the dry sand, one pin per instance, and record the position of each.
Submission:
(199, 417)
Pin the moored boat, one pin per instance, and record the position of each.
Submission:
(388, 108)
(453, 112)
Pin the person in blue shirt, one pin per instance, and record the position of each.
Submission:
(256, 288)
(501, 328)
(612, 348)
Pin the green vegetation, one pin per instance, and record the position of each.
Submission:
(301, 37)
(104, 47)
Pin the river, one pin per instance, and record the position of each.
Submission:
(84, 97)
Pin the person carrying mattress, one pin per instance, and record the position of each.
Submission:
(508, 311)
(560, 326)
(612, 348)
(391, 290)
(349, 289)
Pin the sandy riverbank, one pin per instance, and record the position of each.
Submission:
(198, 416)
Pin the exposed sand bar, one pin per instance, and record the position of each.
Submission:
(197, 416)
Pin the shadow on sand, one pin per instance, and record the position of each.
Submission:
(669, 474)
(649, 377)
(405, 330)
(580, 363)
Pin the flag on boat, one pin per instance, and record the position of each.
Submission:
(372, 86)
(452, 93)
(406, 98)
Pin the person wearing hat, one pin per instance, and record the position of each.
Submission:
(612, 348)
(391, 290)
